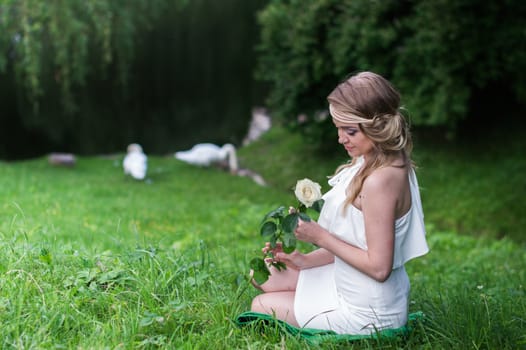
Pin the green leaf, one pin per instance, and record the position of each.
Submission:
(269, 228)
(275, 214)
(261, 272)
(280, 266)
(289, 242)
(318, 205)
(257, 264)
(304, 217)
(290, 249)
(273, 241)
(290, 222)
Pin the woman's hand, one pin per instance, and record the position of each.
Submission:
(294, 260)
(309, 231)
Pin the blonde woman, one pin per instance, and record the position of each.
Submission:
(371, 224)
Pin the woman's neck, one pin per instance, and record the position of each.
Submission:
(396, 159)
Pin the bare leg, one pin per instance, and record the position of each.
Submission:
(278, 299)
(278, 304)
(284, 280)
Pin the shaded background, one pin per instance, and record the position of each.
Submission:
(91, 77)
(189, 79)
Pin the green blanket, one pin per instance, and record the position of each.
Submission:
(317, 336)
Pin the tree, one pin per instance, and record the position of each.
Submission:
(92, 76)
(58, 44)
(440, 54)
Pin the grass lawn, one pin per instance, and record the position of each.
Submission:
(90, 259)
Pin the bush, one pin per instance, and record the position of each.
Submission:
(440, 54)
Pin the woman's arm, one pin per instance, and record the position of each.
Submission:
(318, 257)
(301, 261)
(379, 199)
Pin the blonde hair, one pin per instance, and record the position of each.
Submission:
(369, 100)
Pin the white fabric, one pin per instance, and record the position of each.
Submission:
(343, 299)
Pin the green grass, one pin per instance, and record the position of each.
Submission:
(92, 260)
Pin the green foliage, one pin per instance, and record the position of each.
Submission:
(278, 228)
(293, 54)
(90, 77)
(454, 49)
(68, 40)
(439, 54)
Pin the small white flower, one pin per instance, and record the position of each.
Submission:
(307, 192)
(480, 286)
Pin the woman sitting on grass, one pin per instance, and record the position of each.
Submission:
(371, 224)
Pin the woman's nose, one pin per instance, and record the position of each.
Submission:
(341, 137)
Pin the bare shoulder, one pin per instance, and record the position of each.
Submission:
(385, 178)
(386, 190)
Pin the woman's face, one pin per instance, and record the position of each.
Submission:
(353, 139)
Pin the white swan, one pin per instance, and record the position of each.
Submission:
(135, 162)
(206, 154)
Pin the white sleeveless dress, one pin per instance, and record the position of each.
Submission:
(340, 298)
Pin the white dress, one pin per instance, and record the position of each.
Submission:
(340, 298)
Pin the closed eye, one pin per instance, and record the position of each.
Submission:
(351, 131)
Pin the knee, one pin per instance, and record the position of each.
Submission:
(257, 305)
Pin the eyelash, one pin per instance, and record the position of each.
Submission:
(351, 132)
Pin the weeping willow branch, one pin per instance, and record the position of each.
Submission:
(63, 42)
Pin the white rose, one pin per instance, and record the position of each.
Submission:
(307, 192)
